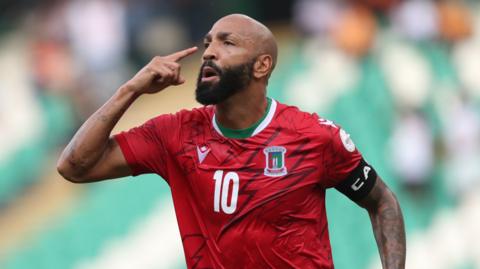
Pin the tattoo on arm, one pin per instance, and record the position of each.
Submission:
(77, 161)
(81, 158)
(103, 118)
(88, 151)
(388, 227)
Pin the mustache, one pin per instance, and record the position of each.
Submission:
(212, 65)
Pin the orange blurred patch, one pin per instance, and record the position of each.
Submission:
(355, 31)
(455, 21)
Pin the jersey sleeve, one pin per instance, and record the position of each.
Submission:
(345, 169)
(146, 147)
(340, 157)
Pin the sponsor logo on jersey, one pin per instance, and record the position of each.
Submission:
(347, 141)
(275, 161)
(202, 153)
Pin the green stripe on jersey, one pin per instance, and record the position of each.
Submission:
(243, 133)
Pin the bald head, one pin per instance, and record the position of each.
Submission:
(258, 32)
(253, 31)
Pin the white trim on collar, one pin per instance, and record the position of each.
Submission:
(214, 122)
(260, 127)
(268, 118)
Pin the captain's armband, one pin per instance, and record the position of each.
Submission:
(359, 183)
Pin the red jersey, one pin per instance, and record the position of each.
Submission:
(257, 202)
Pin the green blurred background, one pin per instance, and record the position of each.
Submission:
(403, 77)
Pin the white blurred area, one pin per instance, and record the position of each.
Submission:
(151, 244)
(412, 149)
(20, 114)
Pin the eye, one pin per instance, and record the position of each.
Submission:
(206, 44)
(228, 43)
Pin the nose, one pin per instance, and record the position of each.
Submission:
(209, 53)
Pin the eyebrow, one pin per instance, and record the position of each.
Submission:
(220, 35)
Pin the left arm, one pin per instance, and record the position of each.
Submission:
(387, 222)
(351, 175)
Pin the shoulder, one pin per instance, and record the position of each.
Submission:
(306, 123)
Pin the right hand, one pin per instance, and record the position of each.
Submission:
(159, 73)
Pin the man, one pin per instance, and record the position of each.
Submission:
(248, 174)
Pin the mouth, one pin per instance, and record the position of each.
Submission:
(209, 74)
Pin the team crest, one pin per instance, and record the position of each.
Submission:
(275, 161)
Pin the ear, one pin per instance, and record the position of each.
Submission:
(262, 66)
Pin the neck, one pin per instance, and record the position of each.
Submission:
(243, 109)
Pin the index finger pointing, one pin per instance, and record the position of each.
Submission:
(177, 56)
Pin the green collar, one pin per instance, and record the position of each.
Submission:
(252, 130)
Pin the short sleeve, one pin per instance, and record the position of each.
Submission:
(145, 147)
(340, 157)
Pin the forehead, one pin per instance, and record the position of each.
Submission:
(235, 27)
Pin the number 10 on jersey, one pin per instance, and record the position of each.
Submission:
(222, 191)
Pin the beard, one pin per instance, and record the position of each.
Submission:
(231, 80)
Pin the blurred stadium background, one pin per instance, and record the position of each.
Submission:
(403, 77)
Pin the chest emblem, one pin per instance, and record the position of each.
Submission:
(275, 161)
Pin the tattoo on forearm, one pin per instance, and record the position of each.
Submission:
(77, 162)
(392, 235)
(91, 145)
(103, 118)
(388, 226)
(81, 158)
